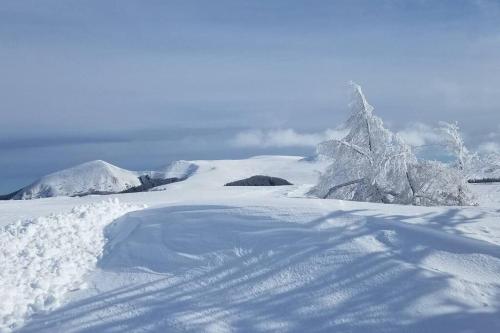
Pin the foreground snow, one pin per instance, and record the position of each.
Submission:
(44, 258)
(225, 268)
(209, 258)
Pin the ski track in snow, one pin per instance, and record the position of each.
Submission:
(44, 258)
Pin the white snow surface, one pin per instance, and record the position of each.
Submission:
(91, 177)
(207, 258)
(44, 258)
(179, 169)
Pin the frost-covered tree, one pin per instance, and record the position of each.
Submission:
(437, 184)
(454, 143)
(372, 164)
(369, 163)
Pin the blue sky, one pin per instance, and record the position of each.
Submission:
(142, 83)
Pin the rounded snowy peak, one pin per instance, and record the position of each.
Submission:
(96, 163)
(94, 177)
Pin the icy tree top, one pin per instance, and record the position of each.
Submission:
(358, 100)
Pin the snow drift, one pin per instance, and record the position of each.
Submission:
(46, 257)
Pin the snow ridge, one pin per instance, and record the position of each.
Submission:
(46, 257)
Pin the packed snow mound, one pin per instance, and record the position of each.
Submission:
(95, 177)
(46, 257)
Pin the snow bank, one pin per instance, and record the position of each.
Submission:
(44, 258)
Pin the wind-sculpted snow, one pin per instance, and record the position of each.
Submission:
(42, 259)
(216, 268)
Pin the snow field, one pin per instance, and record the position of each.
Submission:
(283, 268)
(46, 257)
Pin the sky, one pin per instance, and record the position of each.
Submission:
(143, 83)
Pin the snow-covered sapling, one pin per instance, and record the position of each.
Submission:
(369, 163)
(373, 164)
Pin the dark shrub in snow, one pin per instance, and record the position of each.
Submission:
(147, 183)
(260, 181)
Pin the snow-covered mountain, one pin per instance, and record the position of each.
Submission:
(95, 177)
(98, 177)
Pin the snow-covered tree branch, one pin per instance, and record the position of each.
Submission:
(454, 143)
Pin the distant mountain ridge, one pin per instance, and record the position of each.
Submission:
(94, 177)
(100, 177)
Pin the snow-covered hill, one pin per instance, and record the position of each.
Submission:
(208, 258)
(87, 178)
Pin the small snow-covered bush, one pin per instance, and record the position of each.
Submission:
(373, 164)
(454, 143)
(435, 183)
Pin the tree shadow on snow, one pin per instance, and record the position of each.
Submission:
(218, 268)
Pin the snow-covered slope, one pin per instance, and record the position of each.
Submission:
(209, 175)
(179, 169)
(285, 267)
(87, 178)
(208, 258)
(44, 258)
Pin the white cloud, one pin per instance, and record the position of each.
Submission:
(489, 147)
(419, 134)
(284, 138)
(492, 143)
(416, 135)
